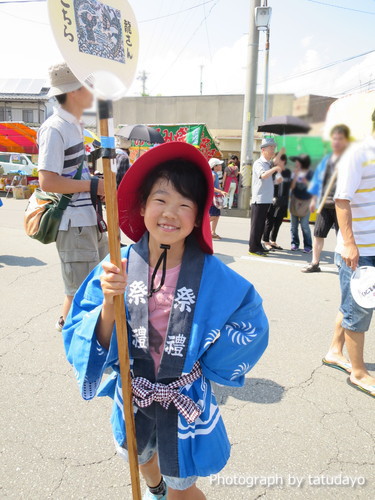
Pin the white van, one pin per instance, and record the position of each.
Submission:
(13, 162)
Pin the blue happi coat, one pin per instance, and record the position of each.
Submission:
(217, 318)
(316, 185)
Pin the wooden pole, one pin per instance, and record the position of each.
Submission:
(105, 120)
(327, 191)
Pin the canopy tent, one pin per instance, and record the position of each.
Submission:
(196, 134)
(17, 138)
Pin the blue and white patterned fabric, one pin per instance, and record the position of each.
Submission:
(316, 184)
(228, 333)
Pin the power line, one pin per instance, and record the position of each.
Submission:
(370, 84)
(25, 18)
(175, 13)
(207, 34)
(209, 50)
(341, 7)
(4, 2)
(320, 68)
(186, 44)
(170, 32)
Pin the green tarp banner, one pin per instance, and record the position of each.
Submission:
(195, 134)
(295, 145)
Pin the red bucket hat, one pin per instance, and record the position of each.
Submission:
(130, 219)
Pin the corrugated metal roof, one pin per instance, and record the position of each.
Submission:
(21, 86)
(24, 97)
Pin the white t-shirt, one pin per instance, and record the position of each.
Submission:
(356, 183)
(262, 189)
(61, 150)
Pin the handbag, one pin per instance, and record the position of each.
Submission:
(218, 200)
(44, 212)
(298, 207)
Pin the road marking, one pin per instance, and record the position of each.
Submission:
(270, 260)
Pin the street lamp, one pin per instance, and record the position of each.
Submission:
(263, 17)
(262, 22)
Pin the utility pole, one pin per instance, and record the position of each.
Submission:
(247, 145)
(266, 66)
(143, 76)
(201, 81)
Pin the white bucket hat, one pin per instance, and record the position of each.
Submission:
(62, 80)
(214, 161)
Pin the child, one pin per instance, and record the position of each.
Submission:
(177, 331)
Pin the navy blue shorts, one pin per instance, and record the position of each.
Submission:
(214, 212)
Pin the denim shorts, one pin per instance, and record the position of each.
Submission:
(356, 318)
(176, 483)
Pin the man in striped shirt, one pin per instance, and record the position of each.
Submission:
(355, 207)
(61, 152)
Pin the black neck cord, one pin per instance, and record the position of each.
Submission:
(162, 259)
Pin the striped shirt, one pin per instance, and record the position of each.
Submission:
(61, 150)
(356, 183)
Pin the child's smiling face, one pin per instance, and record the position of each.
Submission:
(169, 216)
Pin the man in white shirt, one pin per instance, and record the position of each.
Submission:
(262, 193)
(61, 153)
(355, 207)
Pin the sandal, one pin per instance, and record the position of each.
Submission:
(276, 246)
(339, 365)
(216, 236)
(311, 268)
(368, 389)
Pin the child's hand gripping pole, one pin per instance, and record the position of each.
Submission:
(106, 123)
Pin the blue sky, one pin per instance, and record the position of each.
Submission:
(305, 35)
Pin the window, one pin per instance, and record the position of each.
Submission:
(28, 115)
(5, 114)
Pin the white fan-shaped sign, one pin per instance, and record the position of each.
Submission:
(355, 111)
(99, 41)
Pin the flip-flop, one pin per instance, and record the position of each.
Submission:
(368, 389)
(339, 365)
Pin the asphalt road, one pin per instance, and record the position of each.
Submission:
(297, 429)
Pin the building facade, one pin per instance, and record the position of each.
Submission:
(24, 101)
(223, 114)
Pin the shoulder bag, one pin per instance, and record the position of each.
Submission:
(44, 212)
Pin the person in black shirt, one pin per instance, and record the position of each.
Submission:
(279, 208)
(300, 202)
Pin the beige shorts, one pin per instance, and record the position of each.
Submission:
(80, 250)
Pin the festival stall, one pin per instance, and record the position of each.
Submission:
(19, 174)
(17, 138)
(18, 158)
(196, 134)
